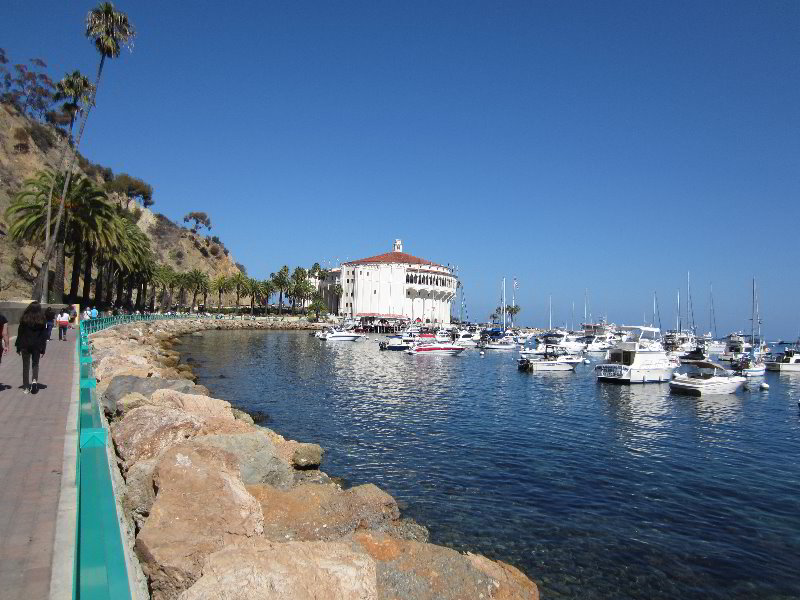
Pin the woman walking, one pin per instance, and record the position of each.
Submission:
(50, 317)
(31, 344)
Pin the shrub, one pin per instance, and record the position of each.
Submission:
(21, 148)
(214, 250)
(20, 135)
(204, 251)
(42, 136)
(215, 239)
(226, 251)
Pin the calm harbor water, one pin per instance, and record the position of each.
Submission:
(594, 490)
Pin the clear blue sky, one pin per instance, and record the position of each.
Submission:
(612, 146)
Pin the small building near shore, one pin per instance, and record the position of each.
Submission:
(391, 287)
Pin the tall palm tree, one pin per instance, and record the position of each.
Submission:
(195, 279)
(89, 220)
(337, 293)
(239, 283)
(281, 282)
(110, 30)
(267, 289)
(75, 90)
(221, 285)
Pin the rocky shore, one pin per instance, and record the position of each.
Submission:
(219, 507)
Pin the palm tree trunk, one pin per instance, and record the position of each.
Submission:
(87, 273)
(68, 175)
(98, 285)
(58, 283)
(219, 305)
(129, 293)
(120, 289)
(280, 303)
(194, 299)
(77, 259)
(205, 299)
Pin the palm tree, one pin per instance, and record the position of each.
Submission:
(267, 288)
(337, 293)
(110, 30)
(75, 90)
(221, 285)
(318, 305)
(195, 279)
(239, 283)
(281, 282)
(89, 220)
(512, 310)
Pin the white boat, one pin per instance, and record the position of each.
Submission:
(341, 335)
(787, 362)
(506, 342)
(564, 339)
(435, 348)
(468, 339)
(600, 343)
(750, 366)
(444, 336)
(701, 382)
(554, 360)
(640, 360)
(395, 342)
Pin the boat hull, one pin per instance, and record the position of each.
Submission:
(547, 365)
(688, 386)
(624, 374)
(436, 351)
(783, 367)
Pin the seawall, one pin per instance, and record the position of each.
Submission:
(218, 506)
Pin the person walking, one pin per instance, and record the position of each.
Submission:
(4, 342)
(50, 318)
(31, 344)
(63, 324)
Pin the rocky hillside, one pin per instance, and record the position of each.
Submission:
(27, 147)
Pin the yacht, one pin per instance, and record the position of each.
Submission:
(679, 341)
(444, 335)
(600, 343)
(468, 339)
(751, 365)
(787, 362)
(341, 335)
(564, 339)
(700, 382)
(736, 346)
(395, 342)
(555, 359)
(505, 342)
(429, 345)
(711, 345)
(640, 360)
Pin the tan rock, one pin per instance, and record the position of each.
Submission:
(413, 570)
(195, 404)
(262, 570)
(314, 511)
(148, 431)
(307, 456)
(201, 505)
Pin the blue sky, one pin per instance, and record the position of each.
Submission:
(575, 145)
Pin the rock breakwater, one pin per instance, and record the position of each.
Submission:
(219, 507)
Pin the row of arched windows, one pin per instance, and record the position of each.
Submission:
(427, 279)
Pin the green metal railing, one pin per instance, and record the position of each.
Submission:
(100, 571)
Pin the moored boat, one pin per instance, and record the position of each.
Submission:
(703, 382)
(786, 362)
(640, 360)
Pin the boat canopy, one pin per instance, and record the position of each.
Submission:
(708, 364)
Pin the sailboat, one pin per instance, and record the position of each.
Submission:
(753, 365)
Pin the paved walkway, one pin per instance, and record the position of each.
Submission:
(32, 433)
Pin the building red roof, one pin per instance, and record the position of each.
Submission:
(393, 257)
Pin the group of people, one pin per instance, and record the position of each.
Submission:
(35, 330)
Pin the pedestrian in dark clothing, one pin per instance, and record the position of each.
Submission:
(4, 342)
(31, 344)
(50, 317)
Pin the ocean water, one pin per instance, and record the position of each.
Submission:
(593, 490)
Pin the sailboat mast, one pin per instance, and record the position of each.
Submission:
(504, 303)
(678, 320)
(585, 295)
(550, 323)
(573, 315)
(753, 315)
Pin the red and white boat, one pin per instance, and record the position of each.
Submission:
(428, 345)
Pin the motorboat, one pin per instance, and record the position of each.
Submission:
(433, 347)
(710, 345)
(550, 350)
(394, 342)
(679, 341)
(600, 343)
(555, 359)
(786, 362)
(506, 342)
(709, 378)
(639, 360)
(341, 335)
(564, 339)
(736, 346)
(444, 335)
(750, 366)
(468, 339)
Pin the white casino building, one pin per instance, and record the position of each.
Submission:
(393, 286)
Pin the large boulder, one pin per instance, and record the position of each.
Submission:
(122, 385)
(148, 431)
(311, 512)
(263, 570)
(307, 456)
(410, 570)
(201, 506)
(196, 404)
(258, 459)
(139, 493)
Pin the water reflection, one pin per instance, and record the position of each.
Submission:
(595, 490)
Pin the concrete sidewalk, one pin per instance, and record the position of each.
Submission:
(33, 428)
